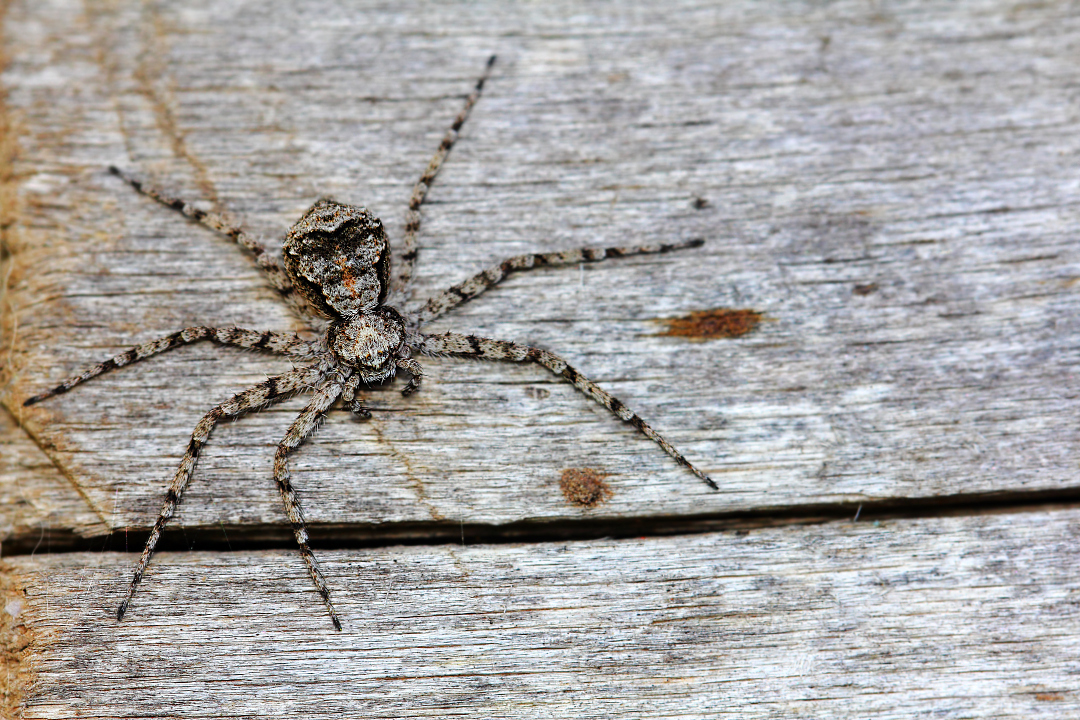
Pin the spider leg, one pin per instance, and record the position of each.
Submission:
(400, 288)
(272, 390)
(275, 342)
(348, 396)
(278, 343)
(472, 346)
(273, 270)
(325, 396)
(417, 372)
(463, 292)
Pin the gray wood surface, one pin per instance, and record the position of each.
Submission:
(943, 618)
(926, 150)
(892, 185)
(38, 505)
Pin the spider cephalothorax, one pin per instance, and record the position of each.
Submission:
(372, 343)
(337, 266)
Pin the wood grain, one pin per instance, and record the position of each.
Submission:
(923, 151)
(38, 505)
(891, 186)
(947, 618)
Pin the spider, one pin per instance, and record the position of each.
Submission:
(337, 276)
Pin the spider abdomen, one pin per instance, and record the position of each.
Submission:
(371, 343)
(338, 258)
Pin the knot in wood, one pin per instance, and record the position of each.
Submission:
(338, 258)
(371, 343)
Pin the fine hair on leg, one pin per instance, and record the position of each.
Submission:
(487, 348)
(325, 396)
(407, 260)
(269, 391)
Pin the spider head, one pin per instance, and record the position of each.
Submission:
(338, 258)
(370, 343)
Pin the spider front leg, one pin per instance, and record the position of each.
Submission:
(472, 346)
(269, 391)
(463, 292)
(274, 272)
(289, 344)
(325, 396)
(407, 259)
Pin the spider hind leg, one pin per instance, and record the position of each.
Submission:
(272, 390)
(270, 267)
(472, 346)
(407, 259)
(325, 396)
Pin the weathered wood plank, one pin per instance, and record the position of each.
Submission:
(36, 501)
(892, 185)
(973, 617)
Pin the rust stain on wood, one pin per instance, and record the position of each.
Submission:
(585, 487)
(1050, 697)
(715, 323)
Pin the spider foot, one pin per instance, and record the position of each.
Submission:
(417, 374)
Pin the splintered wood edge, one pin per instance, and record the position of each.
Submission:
(16, 644)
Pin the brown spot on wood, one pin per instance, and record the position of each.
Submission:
(1050, 697)
(866, 289)
(716, 323)
(585, 486)
(700, 203)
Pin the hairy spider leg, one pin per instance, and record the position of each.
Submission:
(325, 396)
(415, 370)
(407, 260)
(349, 397)
(479, 283)
(273, 270)
(472, 346)
(279, 343)
(274, 389)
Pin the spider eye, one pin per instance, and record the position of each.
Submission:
(338, 258)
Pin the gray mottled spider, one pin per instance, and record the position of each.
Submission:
(337, 268)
